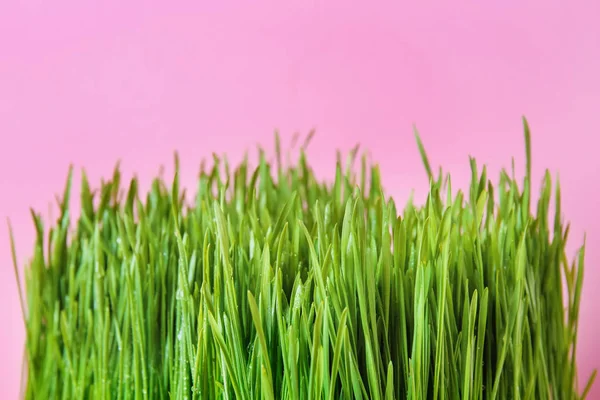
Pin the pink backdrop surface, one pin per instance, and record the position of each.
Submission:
(88, 83)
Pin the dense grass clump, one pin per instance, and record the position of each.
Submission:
(273, 284)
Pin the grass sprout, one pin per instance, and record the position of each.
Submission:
(272, 284)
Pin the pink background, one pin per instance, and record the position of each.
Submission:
(88, 84)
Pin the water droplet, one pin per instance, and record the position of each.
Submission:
(251, 244)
